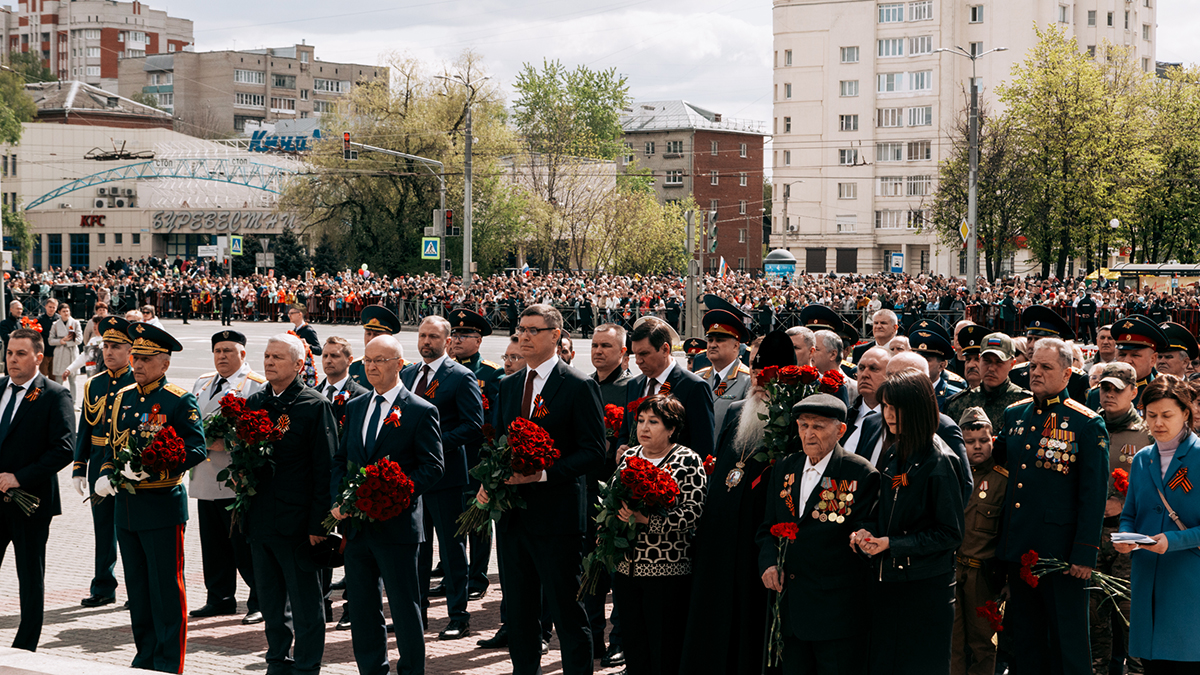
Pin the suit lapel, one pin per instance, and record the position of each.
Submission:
(1163, 482)
(38, 384)
(386, 430)
(872, 427)
(553, 381)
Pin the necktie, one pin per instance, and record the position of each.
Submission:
(373, 425)
(8, 409)
(651, 383)
(331, 393)
(220, 385)
(527, 399)
(423, 384)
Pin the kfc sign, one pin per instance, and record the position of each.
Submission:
(91, 221)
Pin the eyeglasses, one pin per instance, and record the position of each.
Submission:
(378, 362)
(533, 332)
(512, 357)
(463, 336)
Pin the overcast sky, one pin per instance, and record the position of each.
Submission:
(714, 53)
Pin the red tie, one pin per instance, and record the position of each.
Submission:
(424, 383)
(527, 399)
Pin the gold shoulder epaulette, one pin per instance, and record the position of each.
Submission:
(743, 368)
(491, 364)
(1000, 470)
(1080, 408)
(953, 376)
(127, 387)
(255, 377)
(175, 389)
(212, 374)
(1021, 402)
(704, 372)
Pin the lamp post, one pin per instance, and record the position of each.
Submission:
(1113, 225)
(787, 194)
(972, 197)
(473, 88)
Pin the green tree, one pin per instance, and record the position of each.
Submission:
(326, 258)
(291, 257)
(243, 265)
(16, 107)
(16, 227)
(30, 67)
(146, 99)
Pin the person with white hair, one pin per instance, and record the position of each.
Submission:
(883, 327)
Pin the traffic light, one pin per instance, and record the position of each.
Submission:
(712, 231)
(449, 222)
(346, 145)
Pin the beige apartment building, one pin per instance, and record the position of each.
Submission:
(214, 94)
(863, 105)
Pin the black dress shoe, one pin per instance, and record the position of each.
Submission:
(438, 591)
(339, 585)
(545, 648)
(252, 618)
(497, 641)
(477, 595)
(98, 600)
(219, 608)
(615, 656)
(343, 623)
(455, 630)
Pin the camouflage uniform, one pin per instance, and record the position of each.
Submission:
(993, 403)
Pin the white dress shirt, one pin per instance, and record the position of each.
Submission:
(662, 377)
(812, 476)
(433, 367)
(389, 399)
(337, 386)
(720, 374)
(851, 444)
(539, 381)
(8, 392)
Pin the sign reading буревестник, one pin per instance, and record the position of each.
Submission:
(221, 221)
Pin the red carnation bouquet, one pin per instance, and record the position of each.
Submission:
(640, 486)
(251, 448)
(614, 416)
(374, 493)
(156, 450)
(994, 613)
(785, 533)
(785, 387)
(1034, 567)
(222, 425)
(1120, 483)
(526, 449)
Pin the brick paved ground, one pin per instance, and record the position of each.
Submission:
(221, 644)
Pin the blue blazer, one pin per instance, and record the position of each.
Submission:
(416, 445)
(699, 430)
(1166, 588)
(459, 403)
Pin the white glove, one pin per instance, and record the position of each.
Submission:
(135, 476)
(104, 487)
(81, 485)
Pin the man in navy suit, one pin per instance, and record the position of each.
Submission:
(37, 436)
(452, 388)
(540, 546)
(650, 341)
(388, 550)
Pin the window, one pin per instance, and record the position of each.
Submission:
(158, 79)
(1110, 19)
(977, 84)
(921, 116)
(847, 190)
(889, 220)
(919, 151)
(889, 152)
(1091, 51)
(742, 212)
(889, 82)
(846, 225)
(787, 125)
(283, 81)
(891, 12)
(920, 11)
(922, 80)
(93, 52)
(243, 100)
(919, 186)
(117, 237)
(283, 104)
(55, 241)
(975, 15)
(100, 239)
(91, 34)
(891, 186)
(1063, 14)
(848, 122)
(787, 157)
(976, 48)
(787, 89)
(303, 94)
(649, 148)
(628, 151)
(137, 238)
(1091, 17)
(787, 57)
(675, 147)
(171, 47)
(920, 45)
(81, 258)
(847, 157)
(332, 86)
(742, 180)
(303, 57)
(712, 205)
(1126, 19)
(714, 149)
(742, 150)
(889, 117)
(1146, 64)
(849, 87)
(330, 106)
(1145, 31)
(915, 220)
(849, 54)
(166, 100)
(714, 178)
(250, 76)
(891, 47)
(674, 177)
(93, 71)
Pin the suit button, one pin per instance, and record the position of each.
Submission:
(1028, 448)
(1020, 485)
(791, 576)
(1022, 466)
(1039, 412)
(1018, 505)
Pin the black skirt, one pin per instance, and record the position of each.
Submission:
(911, 624)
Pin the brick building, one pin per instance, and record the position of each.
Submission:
(718, 161)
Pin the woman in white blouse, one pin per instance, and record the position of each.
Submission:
(65, 336)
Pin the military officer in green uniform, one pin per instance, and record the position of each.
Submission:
(1139, 342)
(936, 349)
(728, 377)
(996, 391)
(376, 320)
(150, 520)
(467, 330)
(92, 451)
(1057, 460)
(970, 339)
(1039, 322)
(1181, 350)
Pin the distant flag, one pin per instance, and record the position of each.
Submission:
(724, 268)
(525, 269)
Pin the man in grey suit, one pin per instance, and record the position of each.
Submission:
(728, 377)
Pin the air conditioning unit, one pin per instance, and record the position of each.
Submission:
(130, 192)
(100, 203)
(101, 192)
(120, 203)
(793, 228)
(64, 205)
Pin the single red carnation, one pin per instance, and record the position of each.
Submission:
(785, 530)
(710, 465)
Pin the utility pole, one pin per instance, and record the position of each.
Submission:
(467, 200)
(691, 306)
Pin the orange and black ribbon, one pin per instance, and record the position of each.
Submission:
(900, 480)
(664, 389)
(539, 408)
(432, 389)
(720, 391)
(1179, 479)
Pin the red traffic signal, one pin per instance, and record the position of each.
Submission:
(346, 145)
(449, 220)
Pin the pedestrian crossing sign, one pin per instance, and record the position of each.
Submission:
(235, 244)
(431, 248)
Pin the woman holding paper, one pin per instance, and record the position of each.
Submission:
(1166, 573)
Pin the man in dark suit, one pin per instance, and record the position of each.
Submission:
(388, 550)
(227, 301)
(883, 329)
(285, 515)
(376, 321)
(827, 583)
(540, 545)
(47, 320)
(303, 329)
(454, 391)
(872, 371)
(37, 433)
(651, 341)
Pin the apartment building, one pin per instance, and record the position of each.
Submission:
(214, 94)
(716, 160)
(863, 105)
(85, 40)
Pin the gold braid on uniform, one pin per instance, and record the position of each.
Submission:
(92, 412)
(119, 438)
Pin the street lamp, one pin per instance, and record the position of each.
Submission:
(787, 225)
(1113, 225)
(972, 197)
(473, 88)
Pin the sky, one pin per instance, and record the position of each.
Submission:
(714, 53)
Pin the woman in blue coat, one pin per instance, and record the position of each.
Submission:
(1166, 575)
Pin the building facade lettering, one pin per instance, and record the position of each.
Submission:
(221, 221)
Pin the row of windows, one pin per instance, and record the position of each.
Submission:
(676, 147)
(332, 86)
(893, 12)
(885, 83)
(675, 177)
(901, 186)
(916, 46)
(919, 116)
(118, 239)
(888, 219)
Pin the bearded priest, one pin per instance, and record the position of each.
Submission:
(727, 619)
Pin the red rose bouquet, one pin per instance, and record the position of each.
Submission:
(251, 449)
(222, 425)
(614, 416)
(526, 449)
(1120, 483)
(785, 533)
(993, 613)
(156, 450)
(785, 387)
(1034, 567)
(640, 486)
(372, 493)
